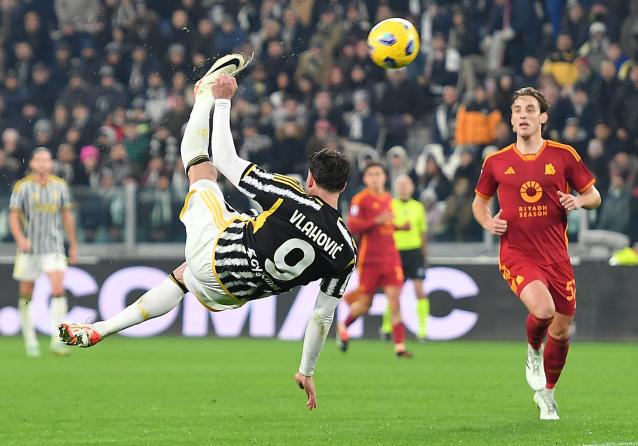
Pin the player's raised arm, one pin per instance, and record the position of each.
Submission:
(225, 156)
(316, 332)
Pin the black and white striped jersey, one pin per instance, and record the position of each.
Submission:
(40, 206)
(296, 239)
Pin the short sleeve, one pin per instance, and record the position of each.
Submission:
(335, 286)
(579, 176)
(266, 188)
(66, 200)
(486, 186)
(17, 197)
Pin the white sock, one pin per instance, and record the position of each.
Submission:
(28, 331)
(58, 309)
(194, 147)
(155, 302)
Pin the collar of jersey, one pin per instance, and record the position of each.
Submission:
(531, 156)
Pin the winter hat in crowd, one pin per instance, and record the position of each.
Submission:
(89, 152)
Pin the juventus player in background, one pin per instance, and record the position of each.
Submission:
(533, 179)
(232, 258)
(39, 215)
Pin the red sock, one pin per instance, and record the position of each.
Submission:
(536, 330)
(398, 333)
(555, 358)
(350, 320)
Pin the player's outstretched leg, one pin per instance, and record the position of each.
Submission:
(155, 302)
(194, 147)
(359, 304)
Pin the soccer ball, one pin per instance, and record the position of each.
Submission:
(393, 43)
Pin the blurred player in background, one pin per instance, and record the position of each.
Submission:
(40, 214)
(533, 179)
(379, 264)
(232, 258)
(410, 237)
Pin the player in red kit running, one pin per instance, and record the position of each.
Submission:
(533, 179)
(380, 264)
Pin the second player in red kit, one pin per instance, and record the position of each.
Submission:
(533, 179)
(379, 260)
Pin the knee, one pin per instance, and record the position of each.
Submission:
(202, 171)
(560, 333)
(544, 311)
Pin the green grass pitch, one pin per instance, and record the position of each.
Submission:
(174, 391)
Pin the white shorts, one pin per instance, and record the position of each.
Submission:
(205, 216)
(28, 267)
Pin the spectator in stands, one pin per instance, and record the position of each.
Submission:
(614, 215)
(400, 105)
(605, 89)
(229, 36)
(12, 93)
(502, 97)
(441, 67)
(8, 174)
(444, 120)
(255, 146)
(595, 49)
(290, 148)
(530, 70)
(399, 163)
(457, 218)
(562, 63)
(319, 137)
(161, 212)
(117, 167)
(464, 38)
(433, 181)
(598, 163)
(624, 108)
(584, 110)
(362, 123)
(87, 173)
(476, 120)
(577, 24)
(65, 164)
(323, 108)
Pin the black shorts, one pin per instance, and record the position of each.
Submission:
(413, 265)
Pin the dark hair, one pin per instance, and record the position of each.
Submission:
(330, 169)
(374, 164)
(540, 97)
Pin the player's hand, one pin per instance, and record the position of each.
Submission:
(569, 201)
(496, 225)
(24, 245)
(73, 254)
(305, 382)
(224, 87)
(383, 218)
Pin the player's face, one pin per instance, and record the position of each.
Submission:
(41, 164)
(527, 117)
(374, 178)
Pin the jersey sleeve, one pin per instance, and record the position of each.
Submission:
(266, 188)
(486, 186)
(18, 195)
(335, 286)
(579, 176)
(358, 221)
(65, 198)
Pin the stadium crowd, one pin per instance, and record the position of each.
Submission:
(106, 85)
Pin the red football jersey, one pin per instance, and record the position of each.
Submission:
(528, 188)
(377, 241)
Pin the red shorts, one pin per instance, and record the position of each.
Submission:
(558, 277)
(373, 276)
